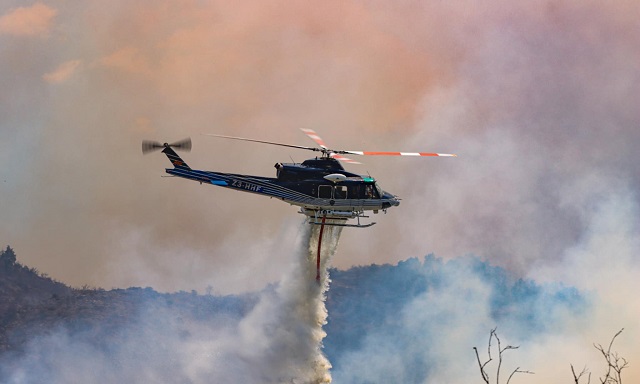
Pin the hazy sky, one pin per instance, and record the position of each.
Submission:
(538, 99)
(85, 83)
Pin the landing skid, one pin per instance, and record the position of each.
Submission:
(344, 225)
(318, 217)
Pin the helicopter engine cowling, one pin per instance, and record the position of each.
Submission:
(336, 177)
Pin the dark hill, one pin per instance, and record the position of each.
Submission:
(362, 301)
(32, 304)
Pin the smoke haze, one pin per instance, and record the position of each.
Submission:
(278, 341)
(538, 99)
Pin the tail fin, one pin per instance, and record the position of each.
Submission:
(175, 159)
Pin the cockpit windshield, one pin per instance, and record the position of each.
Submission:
(379, 190)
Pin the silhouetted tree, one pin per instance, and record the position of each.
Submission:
(615, 365)
(8, 257)
(483, 366)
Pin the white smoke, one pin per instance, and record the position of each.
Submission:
(285, 328)
(278, 341)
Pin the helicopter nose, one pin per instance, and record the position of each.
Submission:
(392, 199)
(392, 202)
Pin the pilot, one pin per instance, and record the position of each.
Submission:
(369, 191)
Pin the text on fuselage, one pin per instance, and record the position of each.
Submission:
(246, 186)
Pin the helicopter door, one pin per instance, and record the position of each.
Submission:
(354, 192)
(324, 191)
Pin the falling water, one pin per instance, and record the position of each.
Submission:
(288, 322)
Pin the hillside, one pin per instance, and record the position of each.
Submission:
(32, 304)
(41, 319)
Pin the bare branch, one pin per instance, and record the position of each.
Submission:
(615, 364)
(485, 377)
(584, 371)
(501, 350)
(517, 370)
(491, 335)
(499, 357)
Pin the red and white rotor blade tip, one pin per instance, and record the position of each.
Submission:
(371, 153)
(318, 140)
(344, 159)
(314, 136)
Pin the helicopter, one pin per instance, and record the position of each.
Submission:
(321, 187)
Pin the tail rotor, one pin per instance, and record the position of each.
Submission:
(149, 146)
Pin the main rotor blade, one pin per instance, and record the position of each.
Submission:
(264, 142)
(315, 137)
(334, 154)
(343, 159)
(368, 153)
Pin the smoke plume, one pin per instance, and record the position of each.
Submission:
(278, 341)
(284, 331)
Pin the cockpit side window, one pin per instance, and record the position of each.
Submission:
(332, 192)
(371, 191)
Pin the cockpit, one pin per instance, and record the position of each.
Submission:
(371, 191)
(357, 190)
